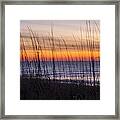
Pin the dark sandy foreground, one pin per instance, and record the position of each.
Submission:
(36, 89)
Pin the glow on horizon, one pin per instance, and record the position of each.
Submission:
(72, 39)
(63, 55)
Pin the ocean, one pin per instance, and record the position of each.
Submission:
(62, 70)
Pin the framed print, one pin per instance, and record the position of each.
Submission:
(59, 59)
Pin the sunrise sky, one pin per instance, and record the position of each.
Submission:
(60, 39)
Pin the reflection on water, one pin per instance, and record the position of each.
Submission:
(62, 70)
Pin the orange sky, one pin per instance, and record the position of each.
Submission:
(61, 55)
(75, 46)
